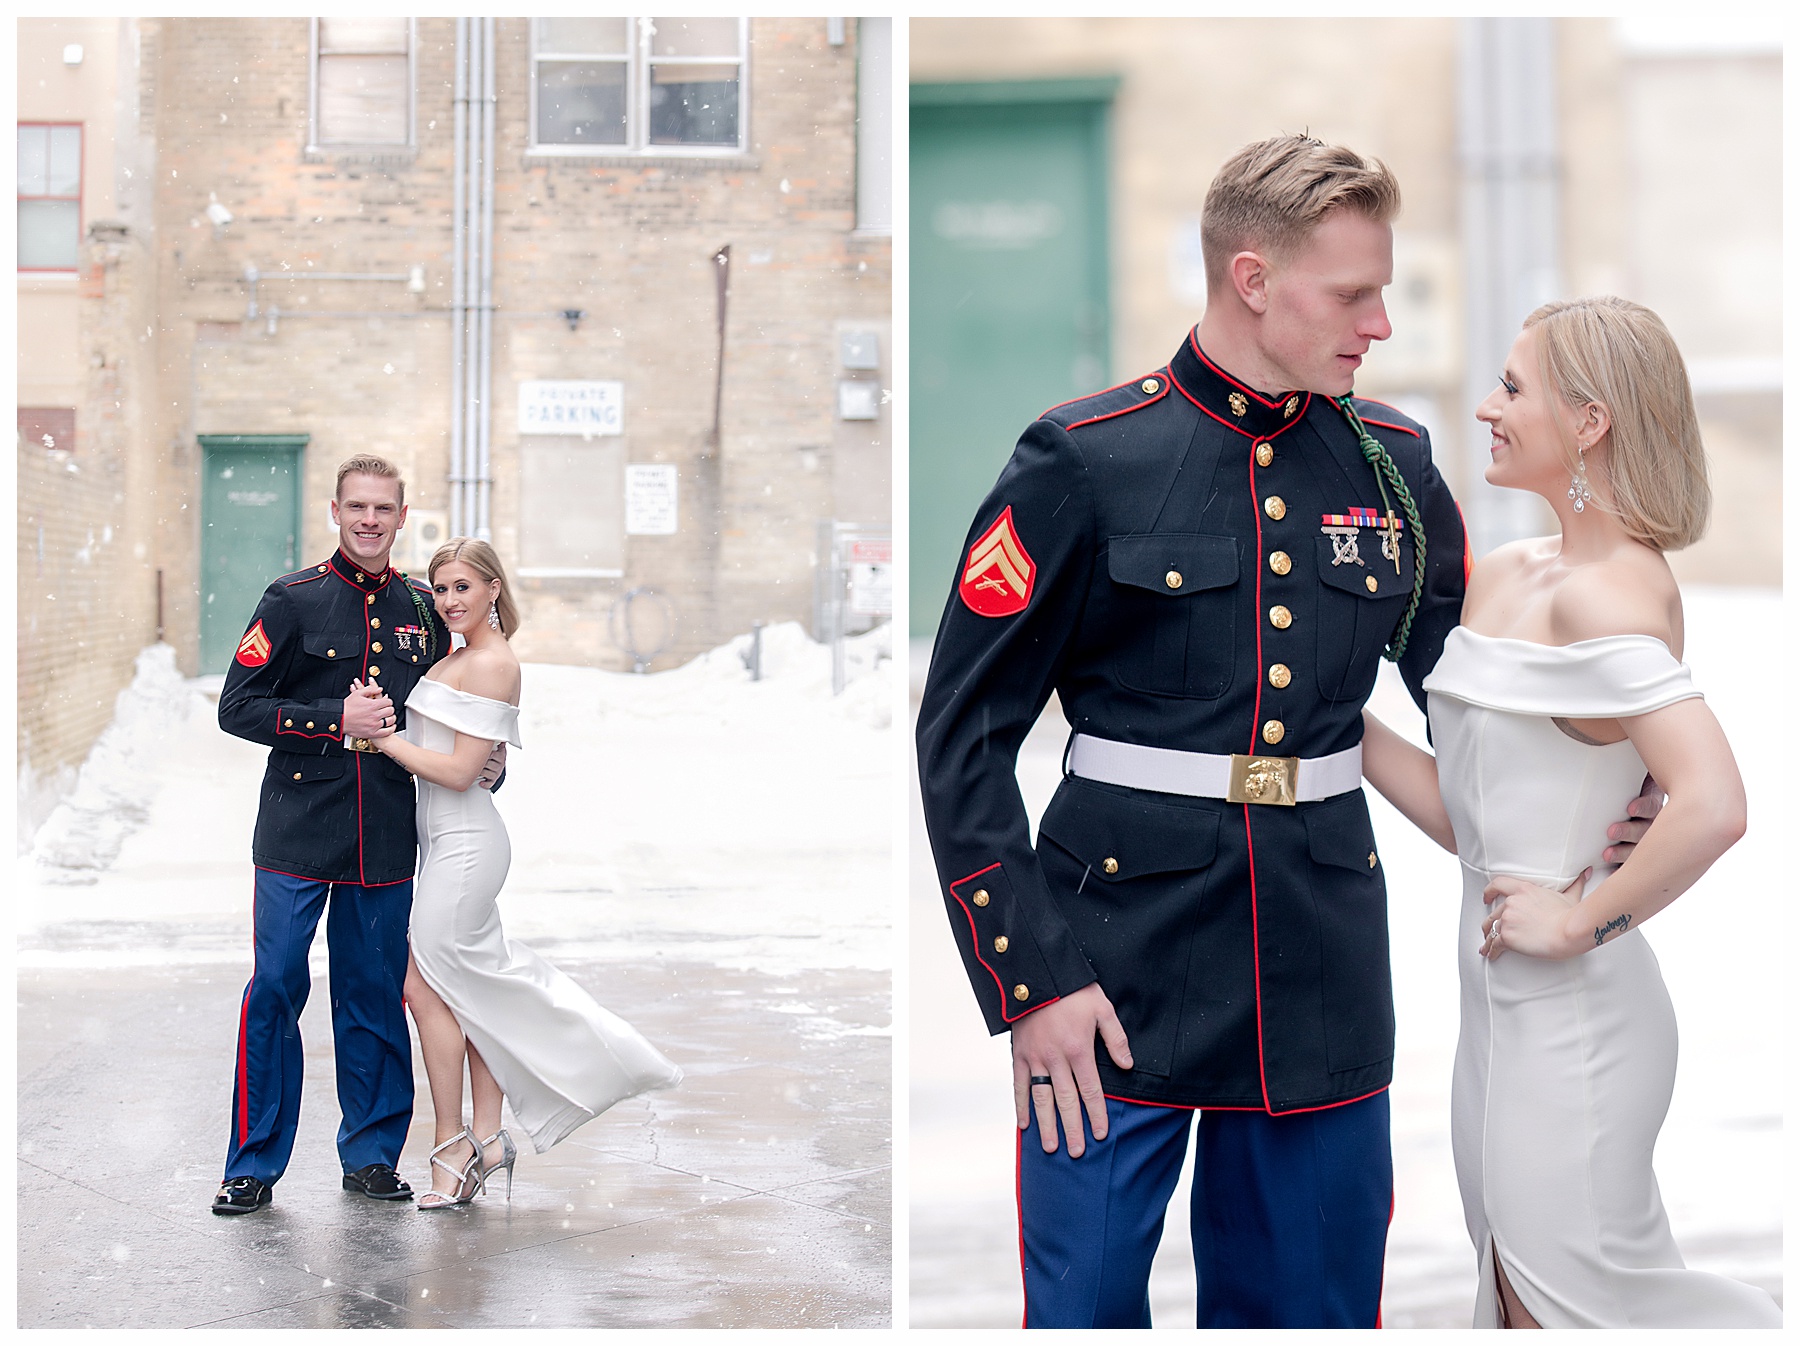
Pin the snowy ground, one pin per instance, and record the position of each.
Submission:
(743, 824)
(711, 857)
(1720, 1157)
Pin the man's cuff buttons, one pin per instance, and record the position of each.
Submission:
(1000, 944)
(1021, 992)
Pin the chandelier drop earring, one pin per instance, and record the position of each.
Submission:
(494, 608)
(1579, 490)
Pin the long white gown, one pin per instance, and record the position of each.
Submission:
(560, 1058)
(1564, 1069)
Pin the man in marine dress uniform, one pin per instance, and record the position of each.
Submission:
(1206, 564)
(334, 834)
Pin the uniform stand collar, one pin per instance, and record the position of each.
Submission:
(1231, 401)
(358, 578)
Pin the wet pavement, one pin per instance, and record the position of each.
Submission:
(757, 1193)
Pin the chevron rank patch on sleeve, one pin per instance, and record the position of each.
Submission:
(253, 649)
(997, 578)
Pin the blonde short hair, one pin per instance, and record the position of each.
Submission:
(1273, 194)
(1619, 354)
(369, 465)
(480, 557)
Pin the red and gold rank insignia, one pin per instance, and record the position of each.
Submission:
(253, 649)
(997, 579)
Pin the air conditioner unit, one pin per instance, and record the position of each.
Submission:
(426, 530)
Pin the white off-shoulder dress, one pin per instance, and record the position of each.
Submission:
(560, 1058)
(1564, 1069)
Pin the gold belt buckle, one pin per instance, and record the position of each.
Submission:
(1262, 780)
(360, 745)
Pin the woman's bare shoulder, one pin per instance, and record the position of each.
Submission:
(1632, 593)
(1505, 562)
(492, 672)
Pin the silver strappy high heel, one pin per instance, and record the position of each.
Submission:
(468, 1178)
(508, 1153)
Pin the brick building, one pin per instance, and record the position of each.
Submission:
(614, 291)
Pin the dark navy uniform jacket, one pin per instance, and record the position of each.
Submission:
(1132, 558)
(327, 812)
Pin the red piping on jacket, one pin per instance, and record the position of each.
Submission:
(975, 944)
(312, 878)
(1216, 1107)
(1262, 1069)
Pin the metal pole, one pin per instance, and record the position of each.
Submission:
(471, 252)
(457, 315)
(483, 477)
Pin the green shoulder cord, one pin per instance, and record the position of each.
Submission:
(431, 631)
(1386, 473)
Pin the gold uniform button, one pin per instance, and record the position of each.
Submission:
(981, 897)
(1370, 584)
(309, 724)
(1173, 579)
(1110, 865)
(1021, 992)
(1150, 385)
(370, 600)
(376, 647)
(374, 672)
(1273, 731)
(296, 775)
(375, 622)
(1275, 507)
(1265, 454)
(287, 724)
(333, 728)
(1000, 943)
(1280, 562)
(331, 654)
(1280, 618)
(323, 569)
(415, 658)
(1371, 859)
(1279, 676)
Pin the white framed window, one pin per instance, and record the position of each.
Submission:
(639, 86)
(364, 72)
(49, 196)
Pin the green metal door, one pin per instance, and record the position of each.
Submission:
(249, 531)
(1009, 291)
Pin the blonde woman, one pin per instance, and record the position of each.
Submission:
(1562, 686)
(526, 1030)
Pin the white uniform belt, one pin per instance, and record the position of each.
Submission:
(1210, 775)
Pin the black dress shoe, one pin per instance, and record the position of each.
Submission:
(378, 1181)
(240, 1196)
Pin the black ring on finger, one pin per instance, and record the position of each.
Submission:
(1040, 1079)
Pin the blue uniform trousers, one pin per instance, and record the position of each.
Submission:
(365, 935)
(1289, 1216)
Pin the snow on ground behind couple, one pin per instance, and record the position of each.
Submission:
(1719, 1159)
(708, 855)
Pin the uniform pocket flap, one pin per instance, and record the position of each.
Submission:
(1120, 838)
(293, 766)
(1353, 578)
(1338, 832)
(330, 647)
(1173, 564)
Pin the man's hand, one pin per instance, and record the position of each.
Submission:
(1627, 834)
(368, 713)
(496, 763)
(1058, 1041)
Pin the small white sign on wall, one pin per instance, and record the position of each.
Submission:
(571, 407)
(650, 499)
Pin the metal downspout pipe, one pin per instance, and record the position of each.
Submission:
(458, 310)
(483, 470)
(470, 333)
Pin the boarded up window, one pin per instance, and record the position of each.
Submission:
(363, 82)
(47, 427)
(571, 505)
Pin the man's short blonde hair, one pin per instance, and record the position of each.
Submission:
(1619, 354)
(371, 466)
(1270, 196)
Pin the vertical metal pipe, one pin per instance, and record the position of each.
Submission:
(461, 109)
(471, 250)
(484, 475)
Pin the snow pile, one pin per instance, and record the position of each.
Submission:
(690, 814)
(112, 793)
